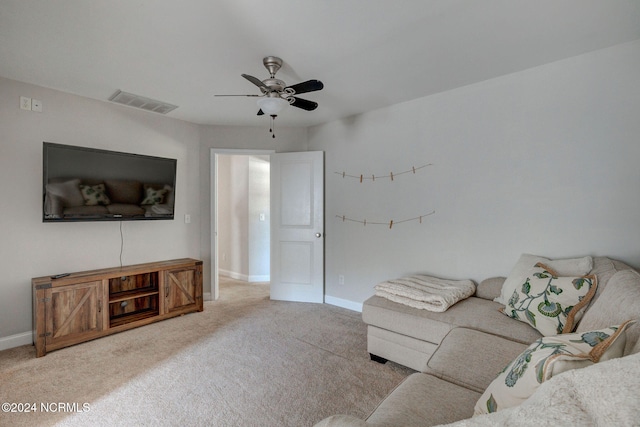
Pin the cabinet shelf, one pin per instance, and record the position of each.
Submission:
(132, 317)
(123, 296)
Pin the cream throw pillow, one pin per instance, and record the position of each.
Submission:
(563, 267)
(548, 357)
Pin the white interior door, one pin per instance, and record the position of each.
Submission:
(297, 226)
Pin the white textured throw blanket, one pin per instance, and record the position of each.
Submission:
(426, 292)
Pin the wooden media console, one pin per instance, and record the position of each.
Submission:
(86, 305)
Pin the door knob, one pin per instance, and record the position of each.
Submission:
(318, 234)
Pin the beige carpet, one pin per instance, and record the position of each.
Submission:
(244, 361)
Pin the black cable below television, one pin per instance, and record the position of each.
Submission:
(89, 184)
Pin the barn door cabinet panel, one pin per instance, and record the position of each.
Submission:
(181, 290)
(90, 304)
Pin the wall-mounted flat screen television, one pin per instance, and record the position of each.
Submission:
(88, 184)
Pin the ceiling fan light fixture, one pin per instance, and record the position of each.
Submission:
(272, 105)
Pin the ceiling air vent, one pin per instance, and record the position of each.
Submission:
(138, 101)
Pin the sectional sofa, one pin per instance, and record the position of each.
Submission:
(473, 360)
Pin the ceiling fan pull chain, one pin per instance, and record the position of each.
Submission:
(272, 129)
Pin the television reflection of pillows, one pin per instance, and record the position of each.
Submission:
(158, 194)
(94, 195)
(75, 198)
(114, 184)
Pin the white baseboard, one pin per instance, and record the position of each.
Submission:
(234, 275)
(16, 340)
(349, 305)
(244, 277)
(206, 296)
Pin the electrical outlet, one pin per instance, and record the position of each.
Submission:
(340, 279)
(25, 103)
(36, 105)
(187, 219)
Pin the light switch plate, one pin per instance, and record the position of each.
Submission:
(25, 103)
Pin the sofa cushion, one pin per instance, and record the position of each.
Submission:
(550, 303)
(453, 361)
(125, 192)
(564, 267)
(474, 313)
(81, 211)
(618, 302)
(422, 400)
(545, 358)
(125, 209)
(604, 268)
(490, 288)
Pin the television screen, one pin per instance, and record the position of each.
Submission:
(88, 184)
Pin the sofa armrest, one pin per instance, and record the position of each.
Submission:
(53, 206)
(490, 288)
(342, 421)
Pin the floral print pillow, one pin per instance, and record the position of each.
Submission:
(551, 304)
(548, 357)
(94, 195)
(153, 196)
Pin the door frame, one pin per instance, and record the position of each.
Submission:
(215, 285)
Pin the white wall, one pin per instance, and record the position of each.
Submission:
(243, 194)
(233, 234)
(259, 231)
(31, 248)
(542, 161)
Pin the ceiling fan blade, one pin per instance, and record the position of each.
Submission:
(308, 86)
(256, 82)
(260, 112)
(241, 95)
(304, 104)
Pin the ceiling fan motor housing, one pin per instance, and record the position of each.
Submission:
(272, 64)
(274, 85)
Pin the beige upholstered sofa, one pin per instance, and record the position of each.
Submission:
(459, 353)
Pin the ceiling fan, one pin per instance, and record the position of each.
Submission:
(276, 95)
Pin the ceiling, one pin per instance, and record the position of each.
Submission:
(368, 53)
